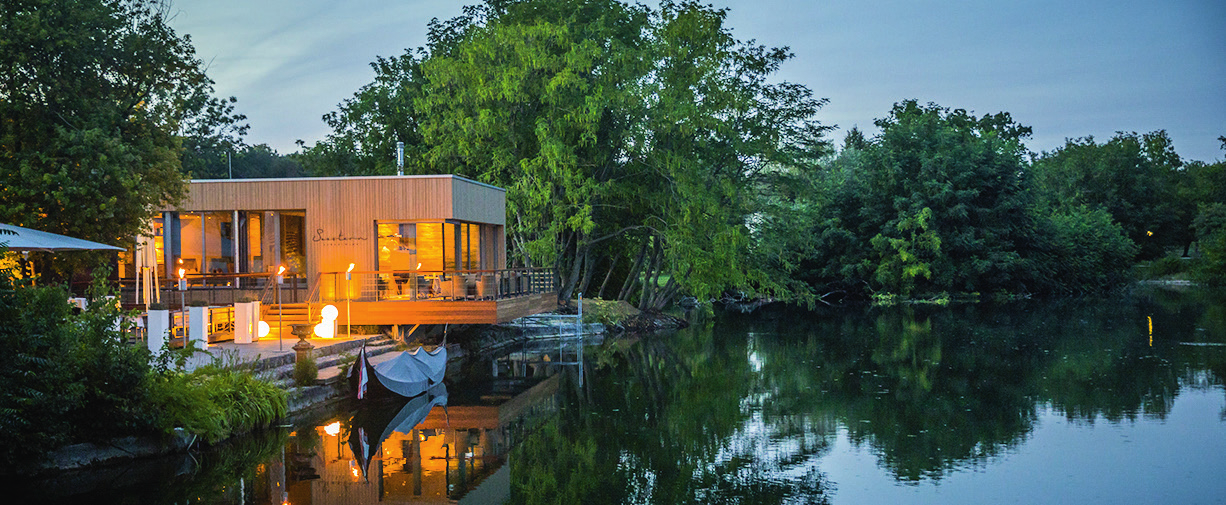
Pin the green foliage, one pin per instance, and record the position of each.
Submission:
(305, 372)
(73, 378)
(1131, 176)
(901, 260)
(1166, 266)
(214, 403)
(67, 377)
(936, 203)
(1211, 235)
(1081, 250)
(96, 97)
(618, 130)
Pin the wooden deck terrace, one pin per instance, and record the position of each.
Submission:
(435, 297)
(377, 297)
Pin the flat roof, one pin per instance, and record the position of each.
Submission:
(352, 178)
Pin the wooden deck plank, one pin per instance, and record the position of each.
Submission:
(452, 312)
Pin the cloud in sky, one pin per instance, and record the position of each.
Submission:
(1069, 69)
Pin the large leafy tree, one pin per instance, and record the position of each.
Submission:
(95, 98)
(1132, 177)
(629, 138)
(936, 202)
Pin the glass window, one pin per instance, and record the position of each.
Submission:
(190, 246)
(253, 257)
(430, 253)
(293, 241)
(397, 246)
(218, 241)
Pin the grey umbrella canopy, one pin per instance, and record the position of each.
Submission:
(16, 238)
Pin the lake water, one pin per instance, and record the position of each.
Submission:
(1070, 401)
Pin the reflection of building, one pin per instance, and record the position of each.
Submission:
(455, 453)
(407, 239)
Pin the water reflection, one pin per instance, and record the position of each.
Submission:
(747, 410)
(1089, 400)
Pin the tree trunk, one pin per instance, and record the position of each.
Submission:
(568, 287)
(612, 265)
(632, 277)
(589, 262)
(652, 275)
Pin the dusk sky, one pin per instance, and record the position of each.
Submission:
(1067, 69)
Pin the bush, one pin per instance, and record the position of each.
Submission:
(1211, 235)
(305, 372)
(66, 377)
(214, 403)
(73, 378)
(1165, 266)
(1085, 250)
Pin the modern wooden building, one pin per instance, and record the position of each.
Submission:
(382, 250)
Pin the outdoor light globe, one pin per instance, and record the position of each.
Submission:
(325, 328)
(264, 329)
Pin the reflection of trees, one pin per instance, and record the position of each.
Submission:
(934, 388)
(926, 394)
(669, 426)
(740, 411)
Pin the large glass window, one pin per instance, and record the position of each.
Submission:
(430, 247)
(252, 247)
(293, 241)
(397, 246)
(430, 251)
(189, 254)
(218, 241)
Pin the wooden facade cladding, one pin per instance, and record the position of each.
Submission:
(341, 212)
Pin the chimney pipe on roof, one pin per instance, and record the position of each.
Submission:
(399, 158)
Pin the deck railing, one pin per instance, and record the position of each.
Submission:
(219, 289)
(422, 285)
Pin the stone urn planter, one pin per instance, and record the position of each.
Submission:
(302, 348)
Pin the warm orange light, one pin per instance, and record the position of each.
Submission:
(181, 272)
(328, 316)
(281, 270)
(1149, 233)
(333, 429)
(355, 473)
(350, 268)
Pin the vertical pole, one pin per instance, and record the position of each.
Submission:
(348, 315)
(280, 323)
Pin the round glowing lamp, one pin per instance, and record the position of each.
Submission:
(326, 327)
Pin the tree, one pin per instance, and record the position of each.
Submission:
(1130, 176)
(936, 202)
(95, 97)
(619, 131)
